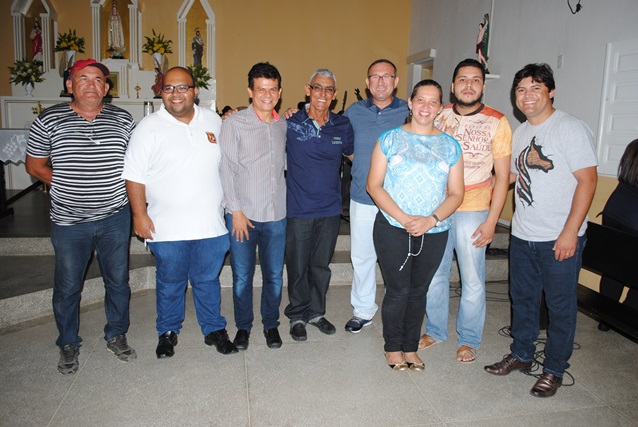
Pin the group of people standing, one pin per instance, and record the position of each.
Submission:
(427, 181)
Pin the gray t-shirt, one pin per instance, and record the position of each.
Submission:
(544, 157)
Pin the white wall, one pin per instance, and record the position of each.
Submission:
(525, 31)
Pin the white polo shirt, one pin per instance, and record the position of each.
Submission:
(179, 165)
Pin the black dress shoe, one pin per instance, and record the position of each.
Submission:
(546, 385)
(507, 365)
(166, 345)
(273, 340)
(220, 340)
(241, 339)
(298, 332)
(324, 326)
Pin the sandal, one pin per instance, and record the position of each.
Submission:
(397, 366)
(427, 341)
(463, 352)
(415, 366)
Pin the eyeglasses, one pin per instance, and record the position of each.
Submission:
(318, 88)
(180, 88)
(386, 78)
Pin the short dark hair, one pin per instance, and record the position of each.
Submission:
(469, 62)
(186, 70)
(540, 73)
(263, 70)
(628, 166)
(427, 82)
(382, 61)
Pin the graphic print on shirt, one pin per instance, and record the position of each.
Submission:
(305, 132)
(211, 137)
(475, 133)
(531, 157)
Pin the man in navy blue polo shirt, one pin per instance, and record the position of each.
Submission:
(316, 141)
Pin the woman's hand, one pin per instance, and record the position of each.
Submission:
(418, 225)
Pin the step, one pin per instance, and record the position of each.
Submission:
(17, 306)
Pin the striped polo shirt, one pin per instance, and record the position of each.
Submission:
(87, 158)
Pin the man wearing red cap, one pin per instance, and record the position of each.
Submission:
(77, 148)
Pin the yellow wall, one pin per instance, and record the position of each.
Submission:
(295, 36)
(299, 37)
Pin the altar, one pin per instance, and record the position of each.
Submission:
(13, 148)
(37, 36)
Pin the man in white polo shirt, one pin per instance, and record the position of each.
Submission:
(172, 163)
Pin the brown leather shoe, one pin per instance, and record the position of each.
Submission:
(546, 385)
(507, 365)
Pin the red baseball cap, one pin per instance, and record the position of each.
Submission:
(90, 63)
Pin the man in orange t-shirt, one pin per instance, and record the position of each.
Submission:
(486, 138)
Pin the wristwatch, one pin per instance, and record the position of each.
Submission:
(438, 221)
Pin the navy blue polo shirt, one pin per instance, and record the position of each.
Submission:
(313, 180)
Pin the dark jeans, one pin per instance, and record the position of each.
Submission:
(270, 238)
(310, 244)
(533, 270)
(403, 308)
(73, 245)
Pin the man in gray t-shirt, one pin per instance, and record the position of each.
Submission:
(554, 167)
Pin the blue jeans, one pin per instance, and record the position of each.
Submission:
(408, 264)
(310, 244)
(73, 245)
(533, 270)
(270, 238)
(177, 263)
(471, 262)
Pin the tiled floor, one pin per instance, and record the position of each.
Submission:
(338, 380)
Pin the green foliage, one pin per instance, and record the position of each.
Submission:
(69, 41)
(26, 72)
(201, 75)
(157, 44)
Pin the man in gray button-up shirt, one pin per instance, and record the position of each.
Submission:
(253, 144)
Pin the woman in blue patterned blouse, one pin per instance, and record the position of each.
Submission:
(416, 180)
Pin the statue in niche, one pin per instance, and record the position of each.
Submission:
(197, 47)
(482, 41)
(117, 45)
(36, 40)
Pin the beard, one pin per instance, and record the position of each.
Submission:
(469, 103)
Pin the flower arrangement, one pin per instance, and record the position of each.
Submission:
(26, 73)
(157, 44)
(69, 41)
(201, 75)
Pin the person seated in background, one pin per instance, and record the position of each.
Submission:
(621, 213)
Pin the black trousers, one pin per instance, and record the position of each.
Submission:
(310, 244)
(408, 264)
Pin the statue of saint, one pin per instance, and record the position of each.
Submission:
(198, 48)
(36, 40)
(117, 45)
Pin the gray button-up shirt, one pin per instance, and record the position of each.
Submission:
(252, 167)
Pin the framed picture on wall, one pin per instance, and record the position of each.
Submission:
(114, 85)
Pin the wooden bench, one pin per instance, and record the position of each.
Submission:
(615, 254)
